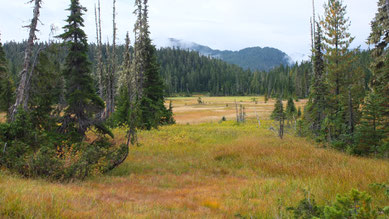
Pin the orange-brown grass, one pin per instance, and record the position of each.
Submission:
(3, 117)
(206, 170)
(188, 110)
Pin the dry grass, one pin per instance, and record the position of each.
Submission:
(3, 117)
(187, 110)
(206, 170)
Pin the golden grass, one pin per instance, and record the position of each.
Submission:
(3, 117)
(187, 110)
(207, 170)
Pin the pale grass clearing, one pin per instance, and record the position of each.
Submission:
(187, 110)
(208, 170)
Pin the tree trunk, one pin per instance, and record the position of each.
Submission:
(237, 112)
(22, 93)
(112, 73)
(351, 112)
(100, 72)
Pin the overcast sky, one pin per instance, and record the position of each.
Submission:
(219, 24)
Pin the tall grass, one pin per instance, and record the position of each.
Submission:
(205, 170)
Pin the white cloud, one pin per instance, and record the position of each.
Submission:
(220, 24)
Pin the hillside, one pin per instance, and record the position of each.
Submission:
(254, 58)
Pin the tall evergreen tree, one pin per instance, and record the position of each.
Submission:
(152, 100)
(344, 82)
(316, 106)
(83, 103)
(379, 37)
(6, 84)
(291, 110)
(374, 128)
(337, 41)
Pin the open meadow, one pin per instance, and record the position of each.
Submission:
(202, 168)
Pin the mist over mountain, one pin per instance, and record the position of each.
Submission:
(253, 58)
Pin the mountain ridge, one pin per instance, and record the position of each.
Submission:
(253, 58)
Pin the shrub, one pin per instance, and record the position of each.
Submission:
(354, 204)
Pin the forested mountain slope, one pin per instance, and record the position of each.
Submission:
(253, 58)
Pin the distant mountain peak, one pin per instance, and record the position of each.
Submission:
(253, 58)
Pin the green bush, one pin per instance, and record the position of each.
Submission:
(354, 204)
(35, 152)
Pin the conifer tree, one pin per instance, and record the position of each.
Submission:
(279, 115)
(82, 101)
(127, 112)
(344, 82)
(291, 110)
(379, 37)
(6, 84)
(374, 128)
(315, 109)
(337, 41)
(150, 85)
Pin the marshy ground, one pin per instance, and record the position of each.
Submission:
(201, 168)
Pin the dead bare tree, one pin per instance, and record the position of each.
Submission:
(240, 113)
(110, 98)
(237, 112)
(259, 121)
(22, 93)
(100, 65)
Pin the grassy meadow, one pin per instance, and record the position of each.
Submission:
(201, 168)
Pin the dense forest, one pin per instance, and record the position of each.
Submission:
(187, 72)
(253, 58)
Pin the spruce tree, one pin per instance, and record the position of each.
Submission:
(337, 42)
(291, 110)
(152, 108)
(373, 131)
(344, 82)
(82, 101)
(316, 106)
(6, 85)
(279, 115)
(379, 37)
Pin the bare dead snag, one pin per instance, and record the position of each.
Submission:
(112, 73)
(22, 93)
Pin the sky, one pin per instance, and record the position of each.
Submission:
(219, 24)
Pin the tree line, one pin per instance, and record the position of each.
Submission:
(186, 72)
